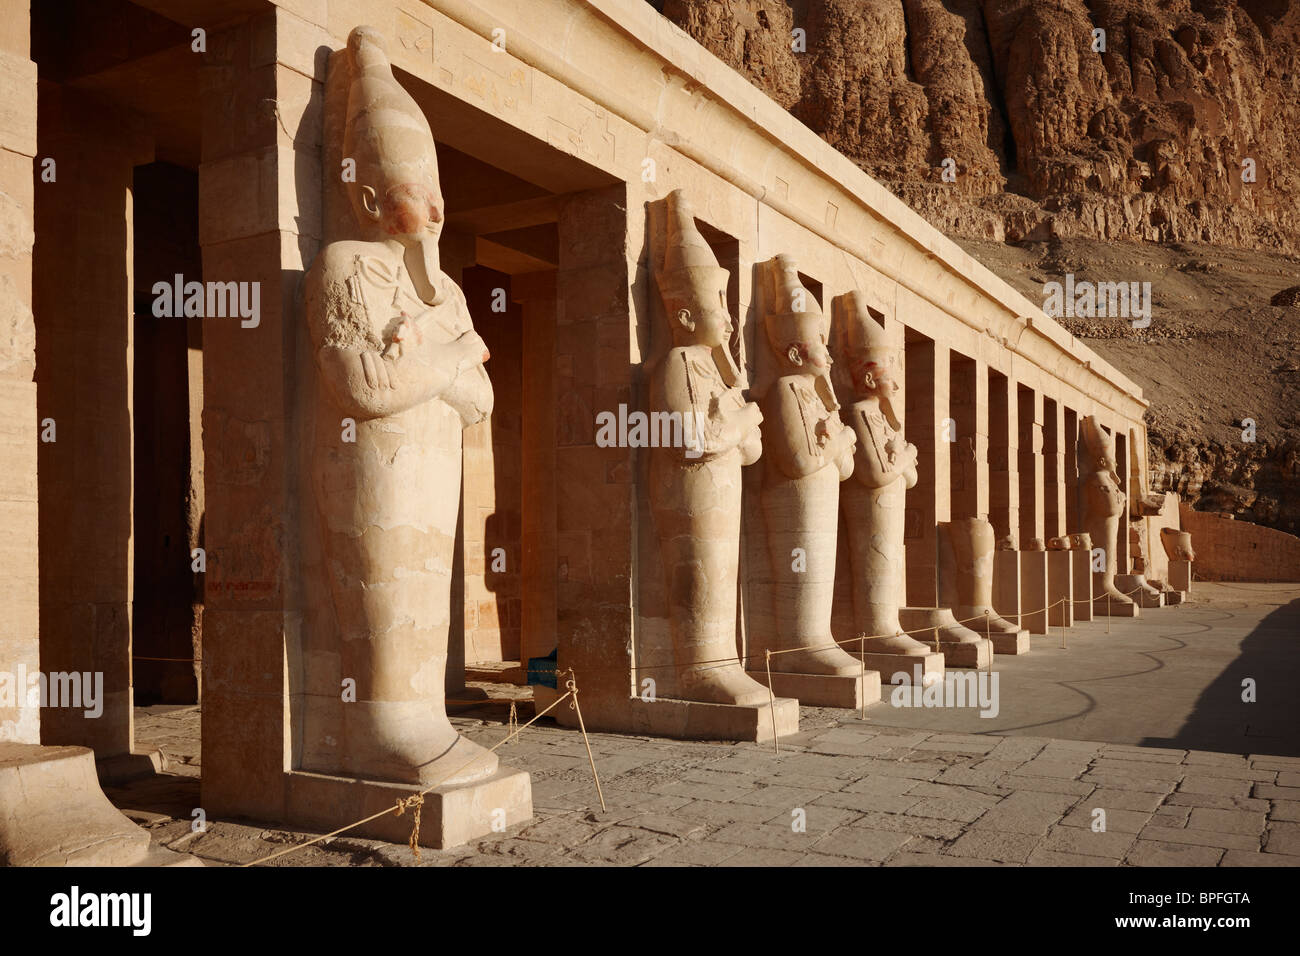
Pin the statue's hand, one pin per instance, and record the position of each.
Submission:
(470, 349)
(379, 369)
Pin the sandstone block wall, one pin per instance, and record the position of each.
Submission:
(1228, 550)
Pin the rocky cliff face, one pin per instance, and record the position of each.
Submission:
(1105, 119)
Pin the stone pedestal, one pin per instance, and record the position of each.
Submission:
(960, 646)
(1081, 583)
(1102, 606)
(1140, 592)
(449, 817)
(53, 813)
(123, 768)
(683, 719)
(1180, 575)
(1006, 584)
(966, 583)
(1060, 588)
(1033, 591)
(1007, 641)
(887, 665)
(818, 690)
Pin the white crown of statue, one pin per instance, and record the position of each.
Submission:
(688, 260)
(387, 134)
(796, 316)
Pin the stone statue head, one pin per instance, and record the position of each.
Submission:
(1034, 544)
(1178, 544)
(396, 193)
(1081, 541)
(693, 287)
(796, 328)
(1058, 543)
(1006, 543)
(1096, 451)
(872, 361)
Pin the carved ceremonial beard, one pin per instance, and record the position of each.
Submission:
(424, 266)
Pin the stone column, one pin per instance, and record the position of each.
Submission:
(536, 294)
(1060, 593)
(968, 543)
(930, 427)
(595, 489)
(254, 377)
(1080, 554)
(19, 416)
(1004, 494)
(85, 387)
(1033, 556)
(52, 810)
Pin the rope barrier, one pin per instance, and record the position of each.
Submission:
(415, 802)
(720, 662)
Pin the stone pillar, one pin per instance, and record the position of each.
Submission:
(536, 294)
(1004, 494)
(85, 387)
(595, 489)
(1123, 558)
(968, 408)
(931, 428)
(250, 231)
(52, 810)
(1070, 463)
(1033, 556)
(926, 404)
(1060, 593)
(1080, 558)
(19, 417)
(968, 542)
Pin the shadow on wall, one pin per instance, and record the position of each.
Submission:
(1222, 721)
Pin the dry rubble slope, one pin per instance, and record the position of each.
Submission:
(1216, 353)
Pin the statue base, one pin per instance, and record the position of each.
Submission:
(449, 817)
(123, 768)
(1060, 588)
(824, 690)
(53, 813)
(1033, 591)
(1112, 608)
(1081, 575)
(959, 645)
(887, 665)
(1006, 584)
(680, 719)
(1139, 590)
(1180, 575)
(1005, 637)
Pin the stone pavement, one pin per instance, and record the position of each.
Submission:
(880, 792)
(1170, 678)
(869, 795)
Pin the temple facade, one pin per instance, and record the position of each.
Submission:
(339, 360)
